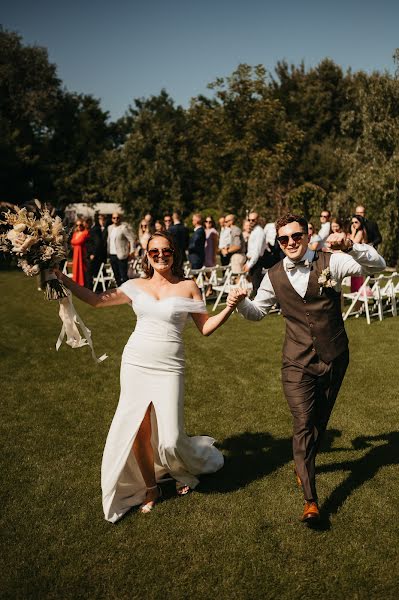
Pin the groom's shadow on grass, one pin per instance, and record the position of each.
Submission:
(362, 469)
(252, 456)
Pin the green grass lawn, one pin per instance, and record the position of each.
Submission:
(238, 535)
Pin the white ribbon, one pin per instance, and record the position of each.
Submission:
(70, 321)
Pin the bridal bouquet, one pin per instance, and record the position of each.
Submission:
(39, 241)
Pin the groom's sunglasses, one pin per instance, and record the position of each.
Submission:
(154, 253)
(296, 237)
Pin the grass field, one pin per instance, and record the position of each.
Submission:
(238, 535)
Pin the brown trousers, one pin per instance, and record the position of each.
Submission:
(311, 393)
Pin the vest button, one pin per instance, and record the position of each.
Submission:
(307, 314)
(304, 301)
(310, 324)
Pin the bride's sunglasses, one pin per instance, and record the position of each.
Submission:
(154, 253)
(296, 237)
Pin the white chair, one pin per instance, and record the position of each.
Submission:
(231, 282)
(387, 292)
(105, 277)
(362, 299)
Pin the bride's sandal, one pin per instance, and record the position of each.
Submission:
(182, 489)
(147, 507)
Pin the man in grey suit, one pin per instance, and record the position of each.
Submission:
(120, 247)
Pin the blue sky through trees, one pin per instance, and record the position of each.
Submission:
(124, 49)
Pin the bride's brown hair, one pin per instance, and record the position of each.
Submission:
(177, 265)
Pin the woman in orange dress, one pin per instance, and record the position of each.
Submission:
(78, 243)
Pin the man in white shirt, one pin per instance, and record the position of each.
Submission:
(325, 227)
(307, 286)
(255, 251)
(224, 241)
(120, 248)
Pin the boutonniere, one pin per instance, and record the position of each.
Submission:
(325, 280)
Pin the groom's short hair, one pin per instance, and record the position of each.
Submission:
(290, 218)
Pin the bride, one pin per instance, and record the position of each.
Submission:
(146, 439)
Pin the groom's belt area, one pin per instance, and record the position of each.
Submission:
(305, 348)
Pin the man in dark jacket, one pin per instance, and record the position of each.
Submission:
(196, 246)
(373, 233)
(97, 246)
(179, 232)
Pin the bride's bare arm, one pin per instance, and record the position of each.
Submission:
(206, 324)
(108, 298)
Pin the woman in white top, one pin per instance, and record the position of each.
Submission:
(147, 438)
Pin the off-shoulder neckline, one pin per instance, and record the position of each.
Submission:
(139, 289)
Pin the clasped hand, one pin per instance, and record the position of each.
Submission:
(235, 296)
(338, 241)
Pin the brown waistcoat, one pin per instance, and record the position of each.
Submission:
(314, 325)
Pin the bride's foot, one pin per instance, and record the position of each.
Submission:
(182, 489)
(153, 495)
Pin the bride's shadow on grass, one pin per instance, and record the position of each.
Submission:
(252, 456)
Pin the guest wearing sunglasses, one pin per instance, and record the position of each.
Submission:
(147, 440)
(255, 251)
(120, 247)
(307, 286)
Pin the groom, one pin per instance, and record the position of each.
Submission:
(315, 353)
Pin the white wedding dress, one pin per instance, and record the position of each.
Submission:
(152, 371)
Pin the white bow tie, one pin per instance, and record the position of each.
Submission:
(290, 265)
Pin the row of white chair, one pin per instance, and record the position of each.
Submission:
(376, 297)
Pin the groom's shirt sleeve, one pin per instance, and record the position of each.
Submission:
(256, 309)
(362, 260)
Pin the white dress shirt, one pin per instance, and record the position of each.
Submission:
(324, 231)
(112, 237)
(363, 259)
(224, 237)
(256, 246)
(270, 234)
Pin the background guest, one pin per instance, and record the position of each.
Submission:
(144, 235)
(325, 227)
(120, 248)
(272, 253)
(256, 249)
(196, 245)
(211, 242)
(224, 241)
(246, 232)
(337, 225)
(373, 233)
(314, 237)
(180, 233)
(159, 227)
(78, 243)
(167, 221)
(97, 247)
(358, 235)
(236, 248)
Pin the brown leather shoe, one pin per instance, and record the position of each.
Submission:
(297, 478)
(310, 512)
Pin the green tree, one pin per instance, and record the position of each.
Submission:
(243, 144)
(374, 166)
(29, 94)
(151, 171)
